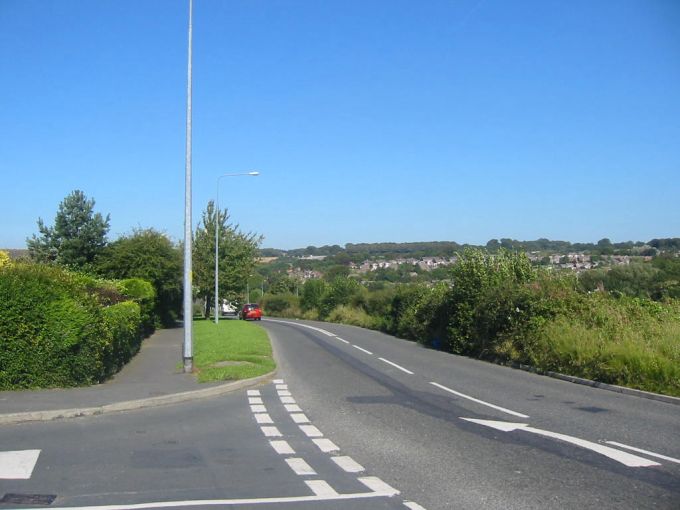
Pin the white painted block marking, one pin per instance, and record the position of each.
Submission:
(396, 366)
(462, 395)
(271, 431)
(311, 431)
(293, 408)
(281, 386)
(624, 458)
(321, 488)
(263, 418)
(362, 349)
(287, 400)
(342, 340)
(282, 447)
(284, 393)
(377, 485)
(413, 506)
(255, 400)
(278, 381)
(253, 393)
(646, 452)
(18, 465)
(300, 467)
(299, 418)
(326, 445)
(348, 464)
(258, 409)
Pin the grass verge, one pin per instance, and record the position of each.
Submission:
(231, 350)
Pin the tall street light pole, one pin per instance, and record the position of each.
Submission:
(217, 238)
(187, 350)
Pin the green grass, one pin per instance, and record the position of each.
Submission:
(241, 342)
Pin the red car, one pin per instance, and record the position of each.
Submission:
(251, 311)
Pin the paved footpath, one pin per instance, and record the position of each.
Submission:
(153, 377)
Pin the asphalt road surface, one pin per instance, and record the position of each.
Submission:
(359, 420)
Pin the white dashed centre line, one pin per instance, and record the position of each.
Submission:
(362, 349)
(342, 340)
(463, 395)
(396, 366)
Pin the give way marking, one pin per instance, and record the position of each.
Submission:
(627, 459)
(18, 465)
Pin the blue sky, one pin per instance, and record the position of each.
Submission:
(370, 121)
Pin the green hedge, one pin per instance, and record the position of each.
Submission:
(123, 322)
(56, 330)
(142, 292)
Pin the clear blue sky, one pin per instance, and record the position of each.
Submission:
(370, 120)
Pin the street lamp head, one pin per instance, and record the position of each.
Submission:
(254, 174)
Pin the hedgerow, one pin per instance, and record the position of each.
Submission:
(59, 329)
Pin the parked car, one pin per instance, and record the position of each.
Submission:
(251, 311)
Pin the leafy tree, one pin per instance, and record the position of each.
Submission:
(312, 293)
(238, 252)
(77, 237)
(150, 255)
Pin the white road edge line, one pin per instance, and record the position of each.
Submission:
(463, 395)
(362, 349)
(646, 452)
(396, 366)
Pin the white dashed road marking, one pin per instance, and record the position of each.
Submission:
(282, 447)
(287, 400)
(255, 400)
(321, 488)
(263, 418)
(271, 431)
(292, 408)
(311, 431)
(342, 340)
(396, 366)
(18, 465)
(258, 409)
(299, 418)
(326, 445)
(377, 485)
(413, 506)
(362, 349)
(348, 464)
(462, 395)
(253, 393)
(300, 467)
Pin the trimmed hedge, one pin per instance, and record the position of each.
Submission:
(54, 331)
(142, 292)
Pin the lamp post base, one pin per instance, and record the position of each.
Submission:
(188, 365)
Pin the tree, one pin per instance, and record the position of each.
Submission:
(78, 235)
(238, 252)
(150, 255)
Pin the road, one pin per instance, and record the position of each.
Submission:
(358, 419)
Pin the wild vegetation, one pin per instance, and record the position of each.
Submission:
(619, 326)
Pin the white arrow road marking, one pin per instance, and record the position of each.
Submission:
(624, 458)
(18, 465)
(640, 450)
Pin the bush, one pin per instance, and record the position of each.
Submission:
(281, 305)
(52, 333)
(350, 315)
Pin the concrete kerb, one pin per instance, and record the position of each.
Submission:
(603, 386)
(130, 405)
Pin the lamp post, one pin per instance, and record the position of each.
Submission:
(217, 238)
(187, 347)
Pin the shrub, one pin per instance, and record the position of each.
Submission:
(281, 305)
(4, 258)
